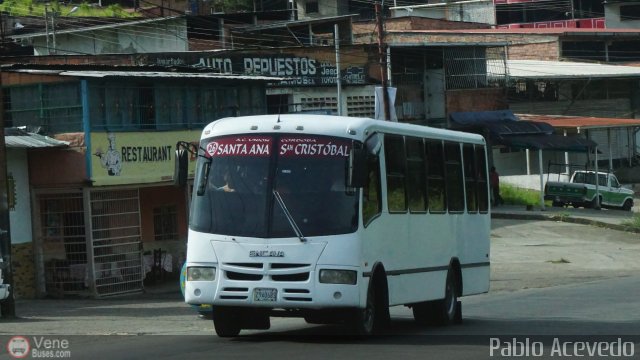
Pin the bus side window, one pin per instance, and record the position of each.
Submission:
(483, 194)
(436, 192)
(470, 177)
(394, 155)
(372, 201)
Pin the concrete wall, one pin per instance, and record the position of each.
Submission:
(612, 16)
(546, 49)
(20, 224)
(20, 214)
(475, 100)
(515, 162)
(69, 164)
(531, 181)
(466, 11)
(166, 36)
(325, 8)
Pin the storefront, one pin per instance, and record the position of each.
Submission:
(105, 216)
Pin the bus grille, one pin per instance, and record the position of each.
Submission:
(281, 272)
(233, 275)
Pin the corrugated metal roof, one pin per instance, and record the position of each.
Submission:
(97, 27)
(21, 139)
(530, 31)
(149, 74)
(437, 5)
(582, 122)
(287, 24)
(538, 69)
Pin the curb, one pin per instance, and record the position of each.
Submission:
(567, 219)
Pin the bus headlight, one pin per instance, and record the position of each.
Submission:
(338, 277)
(201, 273)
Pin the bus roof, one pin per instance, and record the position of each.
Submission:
(341, 126)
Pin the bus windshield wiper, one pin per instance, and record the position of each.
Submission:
(292, 222)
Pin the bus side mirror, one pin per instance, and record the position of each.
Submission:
(181, 166)
(357, 168)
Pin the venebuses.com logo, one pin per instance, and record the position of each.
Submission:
(18, 347)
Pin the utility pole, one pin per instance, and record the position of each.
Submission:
(8, 305)
(46, 26)
(382, 53)
(54, 13)
(338, 75)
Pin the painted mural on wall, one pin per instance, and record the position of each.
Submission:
(300, 70)
(111, 160)
(122, 158)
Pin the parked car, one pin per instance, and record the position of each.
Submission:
(581, 191)
(4, 288)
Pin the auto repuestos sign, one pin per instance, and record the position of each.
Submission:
(299, 70)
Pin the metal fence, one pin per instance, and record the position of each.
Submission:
(64, 249)
(116, 243)
(474, 67)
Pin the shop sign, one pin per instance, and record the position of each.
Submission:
(119, 158)
(299, 70)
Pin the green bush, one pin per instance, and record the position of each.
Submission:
(29, 7)
(634, 222)
(513, 195)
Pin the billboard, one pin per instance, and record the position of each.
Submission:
(120, 158)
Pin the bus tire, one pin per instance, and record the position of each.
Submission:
(446, 310)
(225, 322)
(364, 322)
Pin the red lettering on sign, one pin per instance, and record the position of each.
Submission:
(239, 146)
(312, 146)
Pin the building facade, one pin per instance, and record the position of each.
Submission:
(550, 14)
(105, 216)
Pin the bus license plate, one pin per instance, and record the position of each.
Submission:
(265, 295)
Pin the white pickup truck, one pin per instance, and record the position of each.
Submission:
(4, 288)
(581, 191)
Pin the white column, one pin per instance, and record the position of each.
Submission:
(541, 180)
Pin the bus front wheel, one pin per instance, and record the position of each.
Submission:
(225, 322)
(365, 319)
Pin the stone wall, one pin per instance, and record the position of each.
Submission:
(24, 272)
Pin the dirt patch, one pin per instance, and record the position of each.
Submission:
(535, 254)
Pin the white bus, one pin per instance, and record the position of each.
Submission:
(335, 219)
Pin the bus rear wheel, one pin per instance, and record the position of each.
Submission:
(225, 322)
(440, 312)
(446, 310)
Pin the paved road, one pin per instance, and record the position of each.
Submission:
(548, 278)
(586, 312)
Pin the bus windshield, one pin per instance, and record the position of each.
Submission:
(236, 177)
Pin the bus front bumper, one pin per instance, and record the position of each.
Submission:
(270, 294)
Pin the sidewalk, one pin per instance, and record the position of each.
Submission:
(608, 218)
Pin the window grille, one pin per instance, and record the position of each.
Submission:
(115, 226)
(361, 106)
(62, 230)
(165, 223)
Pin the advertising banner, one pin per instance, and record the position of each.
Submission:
(120, 158)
